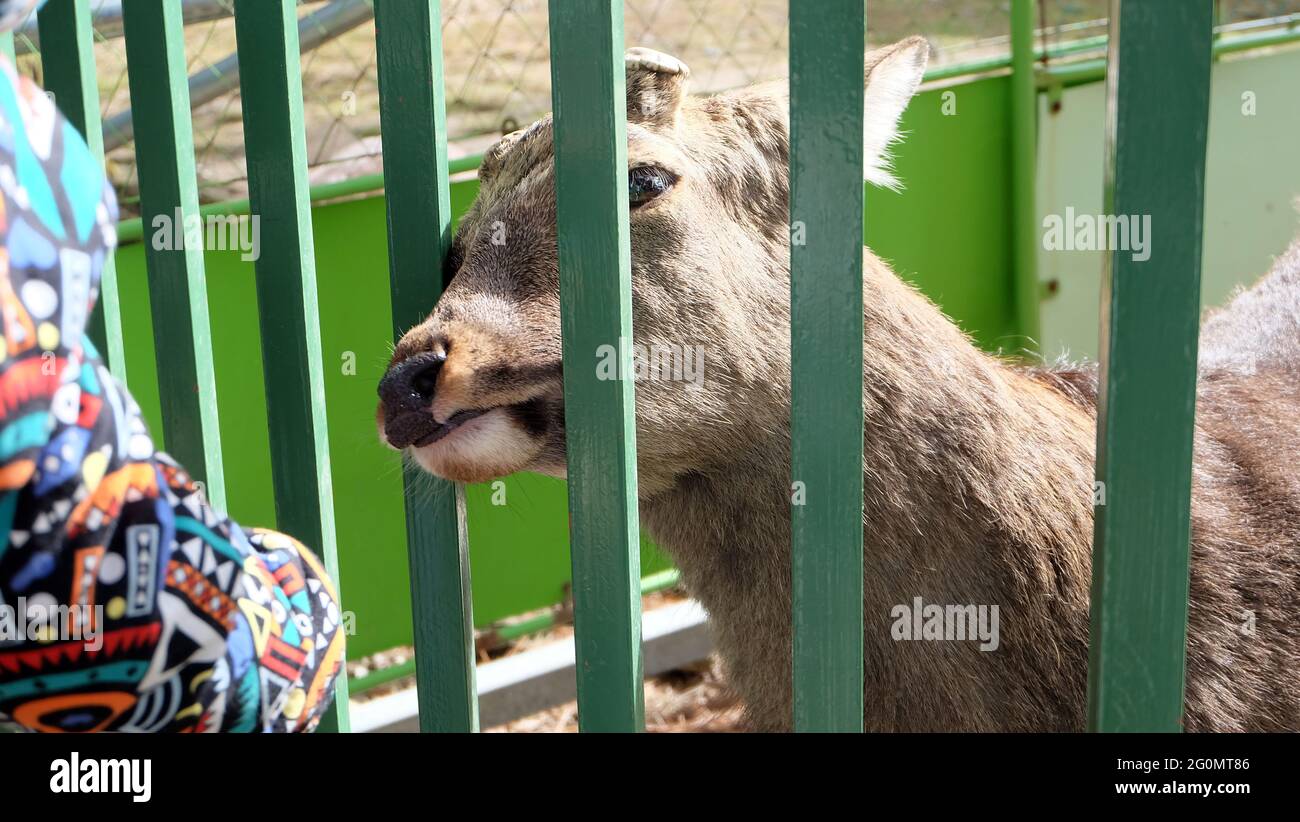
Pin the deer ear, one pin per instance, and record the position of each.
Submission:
(892, 75)
(656, 84)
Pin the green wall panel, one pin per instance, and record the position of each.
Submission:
(1252, 174)
(948, 231)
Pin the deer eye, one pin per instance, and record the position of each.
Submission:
(644, 183)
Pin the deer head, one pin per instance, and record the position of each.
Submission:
(474, 392)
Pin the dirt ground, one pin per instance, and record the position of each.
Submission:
(691, 699)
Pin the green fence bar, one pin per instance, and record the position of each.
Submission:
(7, 45)
(164, 151)
(266, 35)
(1024, 162)
(68, 65)
(408, 43)
(588, 95)
(826, 157)
(1157, 88)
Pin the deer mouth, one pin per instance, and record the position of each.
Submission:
(418, 428)
(453, 422)
(482, 444)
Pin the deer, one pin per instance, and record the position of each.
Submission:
(978, 468)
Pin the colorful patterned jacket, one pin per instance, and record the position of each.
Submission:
(126, 602)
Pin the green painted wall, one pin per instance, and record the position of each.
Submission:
(1252, 186)
(947, 232)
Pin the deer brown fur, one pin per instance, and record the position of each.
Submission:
(978, 471)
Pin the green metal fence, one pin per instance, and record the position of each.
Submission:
(1157, 87)
(1158, 99)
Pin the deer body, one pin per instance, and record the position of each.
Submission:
(979, 490)
(978, 473)
(950, 510)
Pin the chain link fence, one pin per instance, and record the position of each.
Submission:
(497, 64)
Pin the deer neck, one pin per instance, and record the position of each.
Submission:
(958, 445)
(978, 490)
(978, 476)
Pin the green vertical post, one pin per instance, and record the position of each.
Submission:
(589, 98)
(826, 164)
(169, 203)
(1157, 89)
(1024, 162)
(275, 145)
(413, 121)
(7, 45)
(68, 63)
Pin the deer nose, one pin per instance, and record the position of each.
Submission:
(409, 385)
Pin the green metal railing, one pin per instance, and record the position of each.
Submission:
(413, 118)
(826, 161)
(1158, 99)
(275, 148)
(1157, 86)
(587, 82)
(178, 300)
